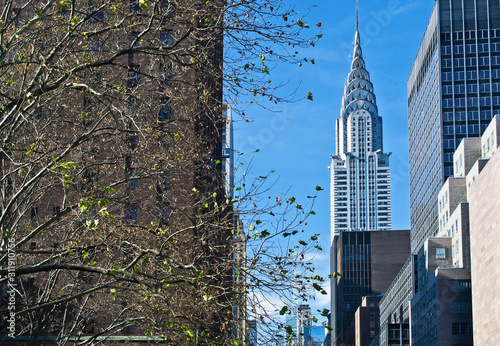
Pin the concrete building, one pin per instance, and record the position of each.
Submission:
(367, 320)
(443, 299)
(453, 93)
(442, 306)
(368, 261)
(484, 207)
(395, 305)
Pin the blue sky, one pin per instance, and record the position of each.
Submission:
(297, 141)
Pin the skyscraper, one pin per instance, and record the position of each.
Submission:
(453, 92)
(360, 174)
(360, 191)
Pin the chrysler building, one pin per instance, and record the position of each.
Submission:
(360, 189)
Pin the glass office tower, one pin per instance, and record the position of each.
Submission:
(453, 92)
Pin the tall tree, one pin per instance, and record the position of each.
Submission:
(115, 218)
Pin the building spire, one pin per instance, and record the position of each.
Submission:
(357, 16)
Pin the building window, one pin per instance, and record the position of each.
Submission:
(34, 213)
(132, 142)
(165, 73)
(131, 215)
(165, 109)
(133, 75)
(163, 214)
(440, 253)
(165, 4)
(134, 6)
(95, 45)
(166, 38)
(460, 285)
(462, 328)
(16, 17)
(130, 174)
(97, 16)
(129, 329)
(462, 307)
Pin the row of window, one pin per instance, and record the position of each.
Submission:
(471, 102)
(460, 130)
(470, 61)
(470, 34)
(163, 214)
(470, 88)
(471, 48)
(469, 75)
(469, 115)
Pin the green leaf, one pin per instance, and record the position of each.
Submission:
(74, 21)
(69, 165)
(334, 275)
(324, 312)
(319, 188)
(319, 288)
(143, 4)
(264, 234)
(103, 202)
(251, 228)
(283, 310)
